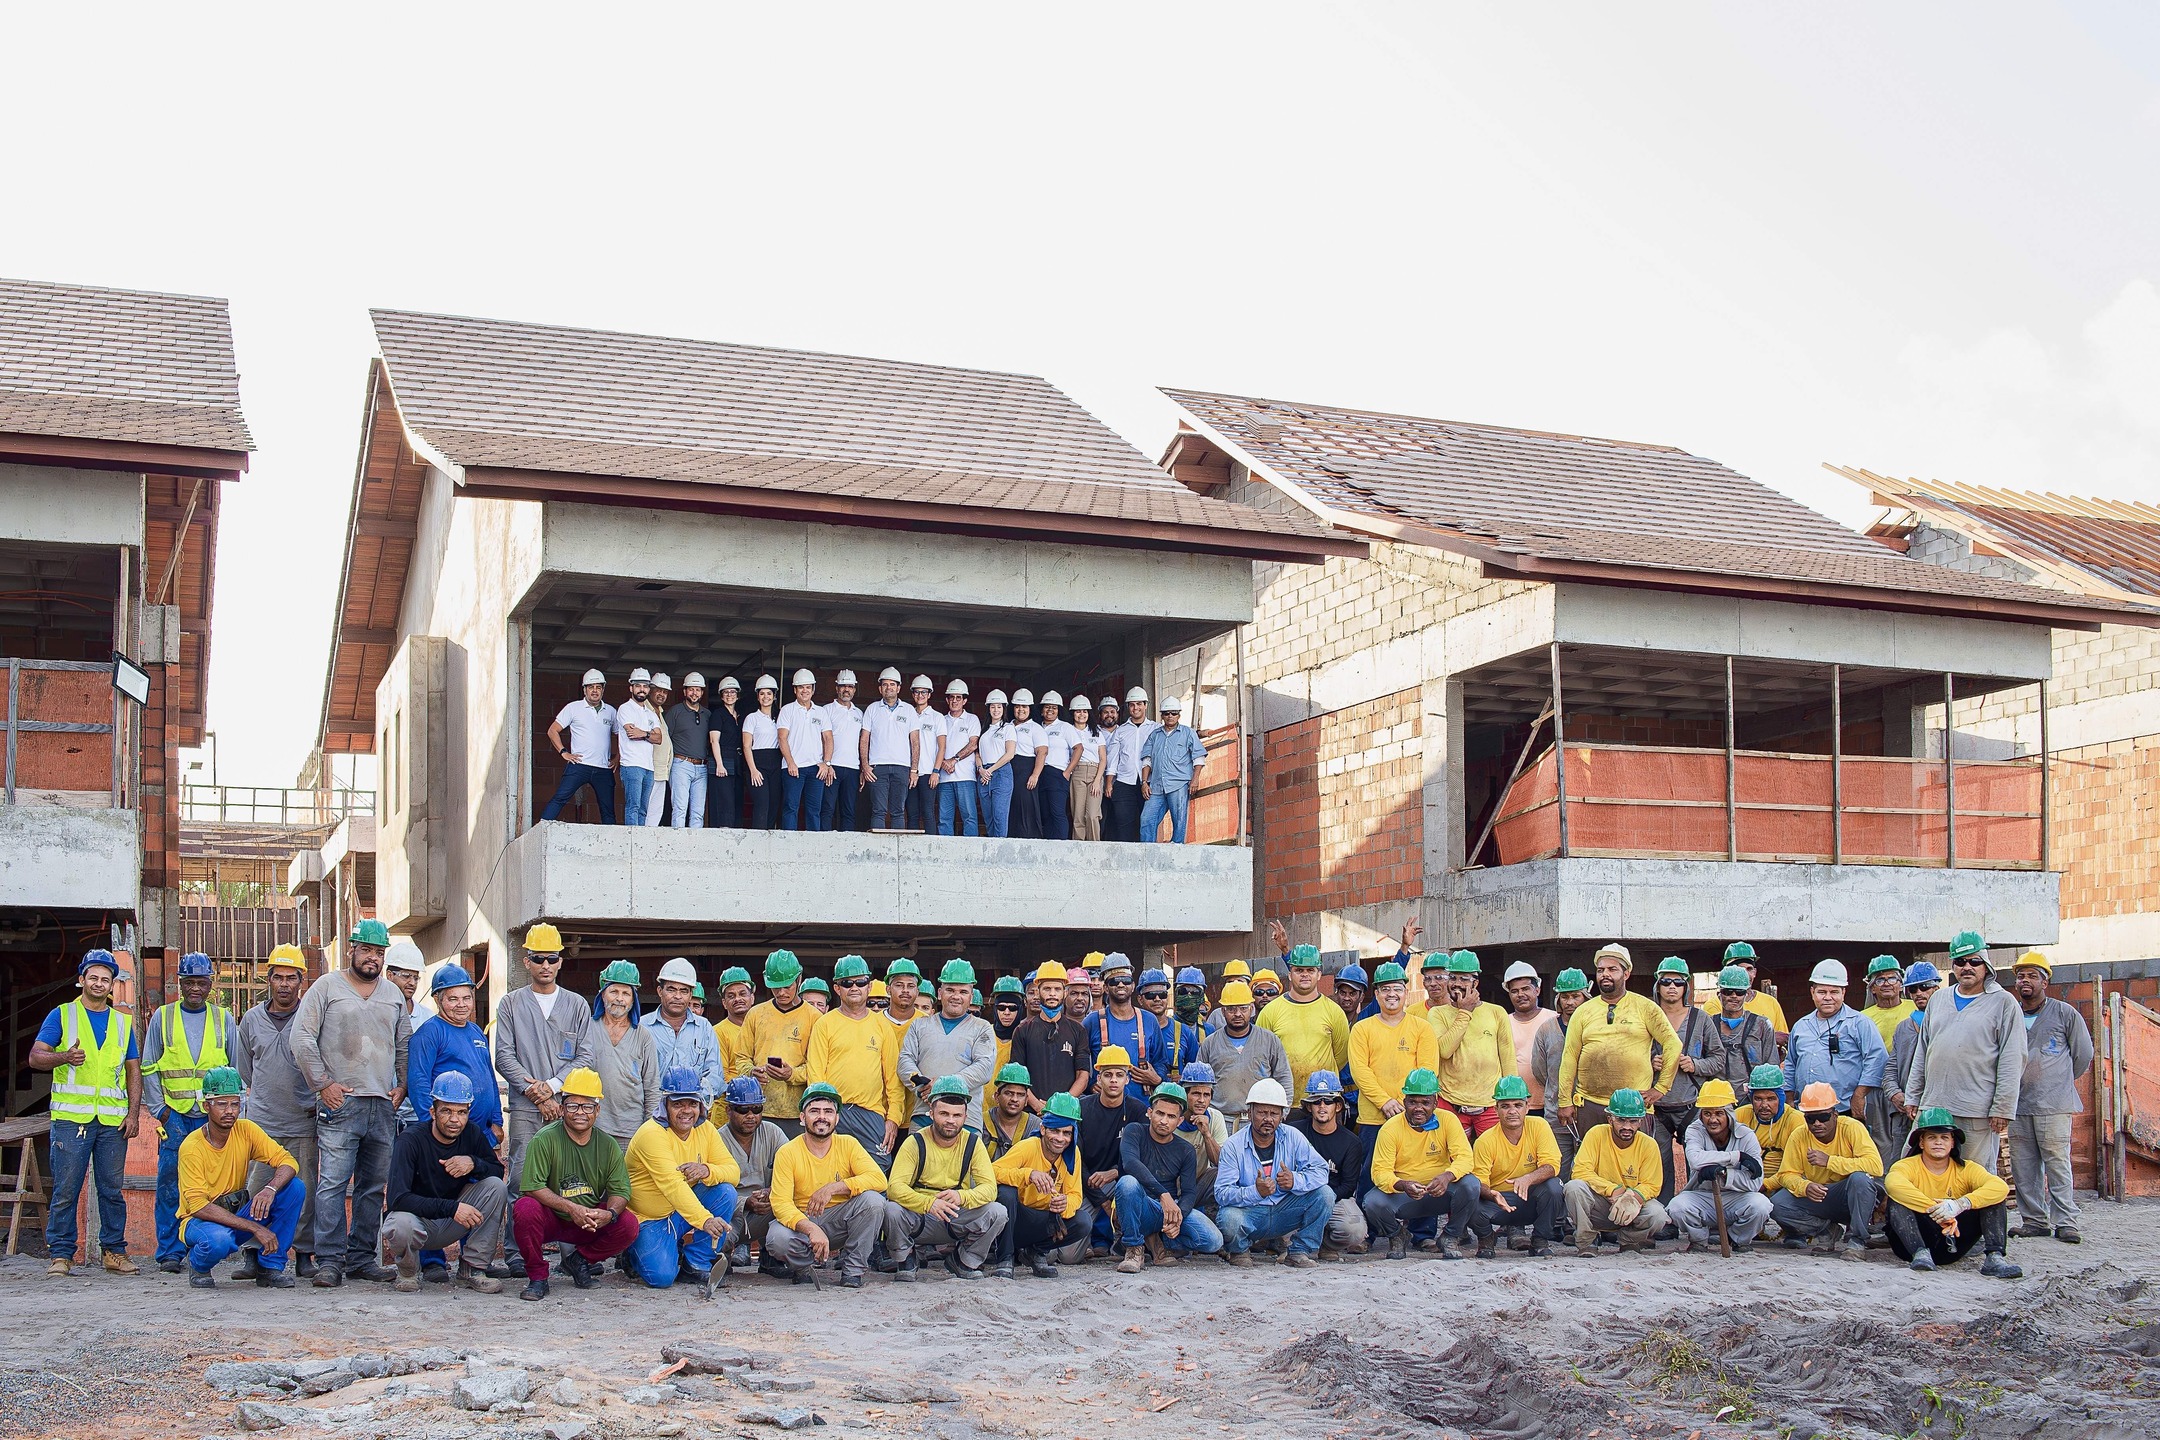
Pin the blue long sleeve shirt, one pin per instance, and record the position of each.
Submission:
(437, 1048)
(1859, 1058)
(1171, 757)
(694, 1045)
(1237, 1177)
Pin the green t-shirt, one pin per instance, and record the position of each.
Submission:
(588, 1174)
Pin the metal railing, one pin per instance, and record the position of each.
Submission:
(48, 700)
(268, 805)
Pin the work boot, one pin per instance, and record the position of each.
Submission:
(2068, 1234)
(700, 1278)
(250, 1266)
(1488, 1247)
(329, 1277)
(802, 1276)
(61, 1267)
(1299, 1260)
(1132, 1262)
(534, 1290)
(119, 1264)
(1002, 1271)
(373, 1270)
(473, 1278)
(501, 1270)
(435, 1272)
(171, 1267)
(304, 1267)
(1159, 1253)
(2033, 1230)
(1586, 1252)
(408, 1272)
(1830, 1239)
(579, 1269)
(201, 1280)
(1922, 1261)
(1997, 1267)
(1044, 1268)
(1398, 1245)
(1539, 1250)
(1448, 1250)
(276, 1279)
(906, 1270)
(852, 1281)
(961, 1270)
(1240, 1258)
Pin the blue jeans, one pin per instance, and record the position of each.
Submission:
(802, 796)
(1170, 798)
(997, 801)
(660, 1254)
(599, 777)
(1052, 797)
(77, 1151)
(840, 798)
(167, 1209)
(352, 1145)
(636, 786)
(1303, 1216)
(1139, 1215)
(208, 1241)
(956, 795)
(686, 781)
(888, 797)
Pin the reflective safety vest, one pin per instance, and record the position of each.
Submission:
(180, 1074)
(94, 1092)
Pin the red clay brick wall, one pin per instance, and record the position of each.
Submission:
(2107, 827)
(1343, 809)
(2143, 1177)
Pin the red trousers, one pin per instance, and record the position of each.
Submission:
(537, 1227)
(1474, 1122)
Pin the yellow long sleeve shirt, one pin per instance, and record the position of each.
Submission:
(1606, 1167)
(1315, 1034)
(797, 1174)
(1401, 1153)
(1499, 1162)
(734, 1055)
(1916, 1187)
(1381, 1055)
(1850, 1150)
(1028, 1156)
(923, 1169)
(1767, 1007)
(772, 1033)
(1608, 1049)
(860, 1057)
(208, 1171)
(1477, 1047)
(1775, 1137)
(1887, 1021)
(657, 1188)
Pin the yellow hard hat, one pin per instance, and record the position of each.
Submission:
(1092, 960)
(583, 1081)
(1236, 970)
(1269, 976)
(544, 938)
(1715, 1095)
(1049, 970)
(878, 990)
(1237, 992)
(1113, 1056)
(288, 955)
(2035, 959)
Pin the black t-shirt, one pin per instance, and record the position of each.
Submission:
(687, 729)
(1102, 1127)
(420, 1186)
(729, 729)
(1344, 1151)
(1055, 1053)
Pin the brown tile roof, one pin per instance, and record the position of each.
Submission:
(118, 365)
(499, 395)
(1534, 503)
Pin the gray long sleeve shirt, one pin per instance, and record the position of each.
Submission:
(1971, 1060)
(1741, 1155)
(532, 1046)
(279, 1098)
(1545, 1048)
(1904, 1052)
(629, 1079)
(1240, 1066)
(354, 1040)
(968, 1050)
(2058, 1049)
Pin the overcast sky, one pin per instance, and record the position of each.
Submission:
(1923, 239)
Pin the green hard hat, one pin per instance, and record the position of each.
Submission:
(1464, 962)
(1305, 956)
(1008, 985)
(851, 967)
(1936, 1118)
(734, 975)
(371, 932)
(1435, 960)
(956, 972)
(815, 982)
(782, 968)
(1064, 1106)
(1168, 1090)
(697, 990)
(223, 1080)
(1013, 1073)
(975, 997)
(899, 967)
(1626, 1105)
(1389, 974)
(1732, 977)
(1511, 1087)
(1421, 1082)
(1967, 942)
(1884, 965)
(949, 1087)
(821, 1091)
(619, 972)
(1568, 981)
(1739, 950)
(1766, 1077)
(1674, 965)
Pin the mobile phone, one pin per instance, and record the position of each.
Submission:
(774, 1061)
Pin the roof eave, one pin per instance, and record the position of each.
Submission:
(94, 454)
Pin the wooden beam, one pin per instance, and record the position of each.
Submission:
(124, 455)
(384, 527)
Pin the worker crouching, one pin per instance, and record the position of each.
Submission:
(1942, 1204)
(217, 1214)
(1725, 1175)
(943, 1189)
(1617, 1172)
(446, 1188)
(577, 1191)
(682, 1190)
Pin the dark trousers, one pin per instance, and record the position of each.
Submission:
(1541, 1212)
(1121, 812)
(840, 798)
(922, 806)
(1850, 1202)
(1032, 1230)
(1385, 1213)
(1911, 1229)
(723, 798)
(1053, 801)
(1672, 1126)
(765, 798)
(1023, 818)
(888, 797)
(802, 799)
(602, 782)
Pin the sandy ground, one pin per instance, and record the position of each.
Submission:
(1609, 1347)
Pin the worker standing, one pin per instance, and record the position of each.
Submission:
(1609, 1046)
(855, 1053)
(776, 1042)
(1742, 954)
(96, 1066)
(689, 732)
(1476, 1046)
(891, 753)
(805, 736)
(1121, 808)
(1972, 1052)
(1170, 761)
(2058, 1051)
(959, 737)
(1674, 1114)
(583, 734)
(277, 1095)
(1315, 1033)
(951, 1042)
(922, 796)
(542, 1033)
(1837, 1044)
(185, 1040)
(624, 1054)
(214, 1163)
(1241, 1054)
(1570, 989)
(1054, 797)
(845, 776)
(1052, 1046)
(1384, 1050)
(681, 1037)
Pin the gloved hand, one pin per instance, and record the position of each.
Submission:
(1948, 1210)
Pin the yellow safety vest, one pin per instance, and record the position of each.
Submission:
(180, 1075)
(94, 1092)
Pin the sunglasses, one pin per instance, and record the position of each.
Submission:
(1154, 994)
(1671, 980)
(746, 1109)
(853, 984)
(1969, 964)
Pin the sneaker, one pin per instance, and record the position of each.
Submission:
(2068, 1234)
(479, 1280)
(1132, 1262)
(1300, 1260)
(408, 1272)
(1830, 1239)
(1448, 1250)
(61, 1267)
(1855, 1249)
(1539, 1250)
(1398, 1245)
(700, 1278)
(171, 1267)
(905, 1272)
(534, 1290)
(119, 1264)
(1996, 1267)
(960, 1270)
(1921, 1261)
(305, 1267)
(276, 1279)
(435, 1273)
(329, 1277)
(201, 1280)
(1240, 1258)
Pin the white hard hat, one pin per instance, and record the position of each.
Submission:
(693, 678)
(1107, 699)
(995, 697)
(640, 676)
(1051, 697)
(888, 673)
(1023, 697)
(729, 682)
(956, 687)
(921, 682)
(1136, 693)
(1829, 972)
(662, 682)
(1267, 1092)
(593, 677)
(404, 955)
(1171, 705)
(1520, 970)
(1080, 702)
(681, 971)
(766, 682)
(845, 677)
(803, 677)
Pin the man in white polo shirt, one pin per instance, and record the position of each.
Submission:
(1121, 810)
(922, 801)
(844, 776)
(587, 751)
(803, 728)
(891, 750)
(957, 742)
(635, 723)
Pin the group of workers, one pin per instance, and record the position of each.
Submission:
(1018, 769)
(1086, 1112)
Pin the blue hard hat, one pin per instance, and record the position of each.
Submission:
(1154, 977)
(682, 1083)
(98, 957)
(1191, 975)
(1353, 975)
(447, 977)
(196, 966)
(1920, 972)
(745, 1090)
(1323, 1083)
(1198, 1072)
(453, 1087)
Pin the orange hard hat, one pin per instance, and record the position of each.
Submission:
(1817, 1097)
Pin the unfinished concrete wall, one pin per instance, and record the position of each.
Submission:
(412, 823)
(56, 506)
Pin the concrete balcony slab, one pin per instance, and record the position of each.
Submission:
(62, 858)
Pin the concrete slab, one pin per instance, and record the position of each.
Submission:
(53, 505)
(52, 858)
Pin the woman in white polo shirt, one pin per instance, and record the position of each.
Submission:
(1054, 794)
(762, 766)
(995, 751)
(1084, 776)
(802, 727)
(1024, 820)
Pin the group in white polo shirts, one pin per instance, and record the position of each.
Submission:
(901, 763)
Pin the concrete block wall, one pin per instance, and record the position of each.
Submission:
(1953, 551)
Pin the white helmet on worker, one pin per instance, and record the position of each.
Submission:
(956, 687)
(693, 678)
(1136, 693)
(996, 697)
(729, 682)
(1023, 697)
(804, 677)
(1080, 703)
(661, 681)
(921, 682)
(1829, 972)
(593, 677)
(404, 955)
(766, 682)
(679, 970)
(1267, 1092)
(845, 677)
(888, 673)
(641, 676)
(1051, 697)
(1171, 705)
